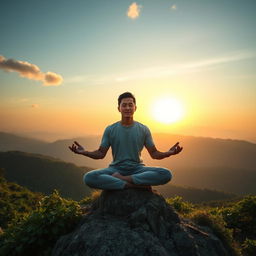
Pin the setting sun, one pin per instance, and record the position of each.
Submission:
(167, 110)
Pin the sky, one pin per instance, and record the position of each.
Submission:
(63, 65)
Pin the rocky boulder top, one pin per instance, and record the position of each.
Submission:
(137, 222)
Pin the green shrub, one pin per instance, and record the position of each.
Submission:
(249, 247)
(90, 199)
(179, 205)
(7, 213)
(242, 216)
(217, 225)
(85, 201)
(36, 234)
(15, 201)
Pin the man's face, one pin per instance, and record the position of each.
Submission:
(127, 107)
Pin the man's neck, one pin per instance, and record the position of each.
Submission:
(127, 121)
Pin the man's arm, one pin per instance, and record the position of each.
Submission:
(97, 154)
(155, 154)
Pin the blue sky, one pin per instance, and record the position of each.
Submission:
(201, 52)
(98, 34)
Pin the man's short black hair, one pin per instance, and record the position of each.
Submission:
(126, 95)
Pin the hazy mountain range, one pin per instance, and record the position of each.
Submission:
(221, 164)
(44, 174)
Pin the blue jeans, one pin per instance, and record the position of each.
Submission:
(141, 175)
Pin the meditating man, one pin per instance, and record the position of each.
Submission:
(126, 139)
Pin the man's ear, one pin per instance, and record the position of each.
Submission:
(118, 107)
(135, 107)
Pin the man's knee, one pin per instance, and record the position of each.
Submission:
(166, 175)
(88, 178)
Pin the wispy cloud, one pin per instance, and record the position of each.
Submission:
(134, 11)
(191, 67)
(237, 56)
(30, 71)
(165, 70)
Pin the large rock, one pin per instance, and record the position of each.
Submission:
(136, 222)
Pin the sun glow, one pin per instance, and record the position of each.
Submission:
(167, 110)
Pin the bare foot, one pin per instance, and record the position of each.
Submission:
(121, 177)
(129, 182)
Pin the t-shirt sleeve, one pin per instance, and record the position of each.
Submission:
(105, 141)
(148, 139)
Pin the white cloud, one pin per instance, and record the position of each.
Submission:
(134, 11)
(174, 7)
(30, 71)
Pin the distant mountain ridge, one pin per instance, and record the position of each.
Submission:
(206, 163)
(44, 174)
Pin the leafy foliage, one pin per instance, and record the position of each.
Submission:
(89, 199)
(223, 219)
(179, 205)
(36, 233)
(217, 225)
(249, 247)
(242, 216)
(32, 223)
(15, 201)
(209, 218)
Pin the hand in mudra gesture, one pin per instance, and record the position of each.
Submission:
(77, 148)
(175, 149)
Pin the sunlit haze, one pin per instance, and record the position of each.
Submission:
(63, 65)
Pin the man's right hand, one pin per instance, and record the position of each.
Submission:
(175, 149)
(76, 148)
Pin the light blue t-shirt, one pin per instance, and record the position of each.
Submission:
(126, 143)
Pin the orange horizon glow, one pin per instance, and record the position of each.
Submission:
(90, 117)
